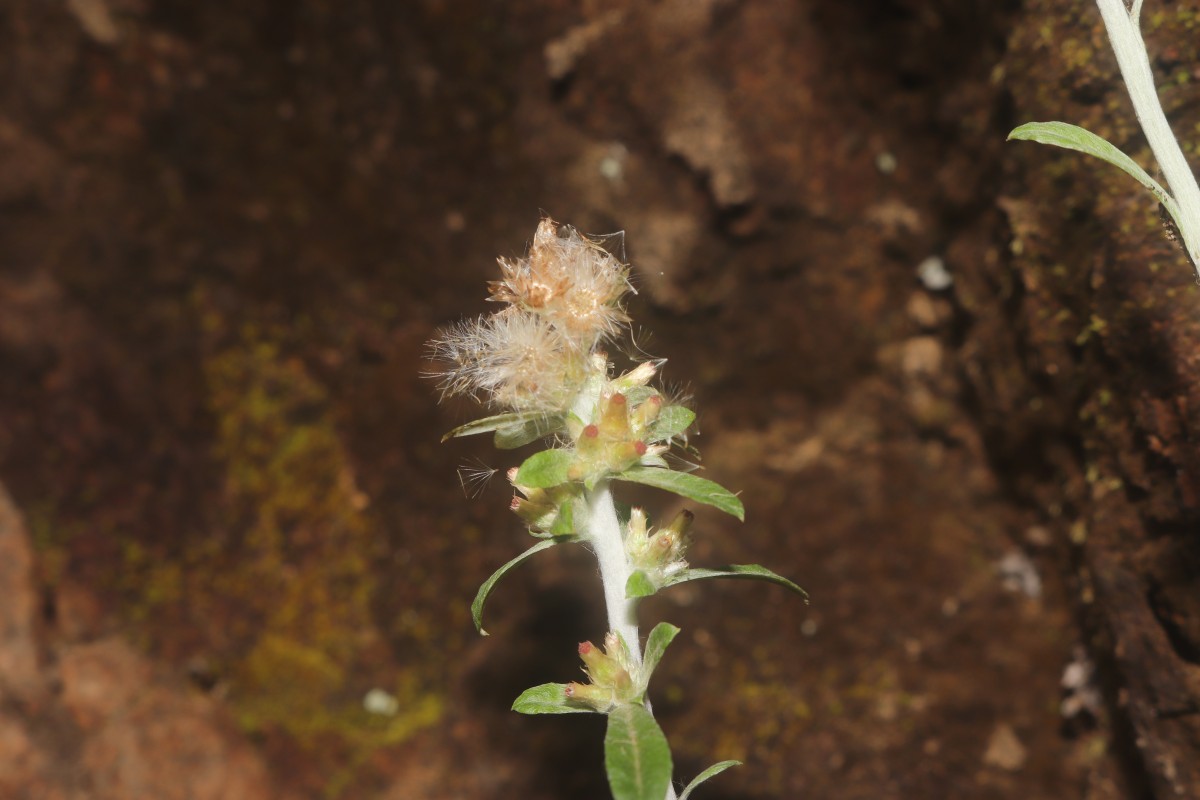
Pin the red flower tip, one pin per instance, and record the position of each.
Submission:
(591, 431)
(585, 648)
(617, 399)
(640, 447)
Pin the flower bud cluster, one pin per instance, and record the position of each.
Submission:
(612, 676)
(608, 445)
(536, 353)
(620, 434)
(658, 554)
(544, 510)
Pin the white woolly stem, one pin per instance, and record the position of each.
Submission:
(608, 542)
(604, 533)
(1125, 34)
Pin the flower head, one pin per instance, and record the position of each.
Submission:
(564, 298)
(568, 280)
(512, 359)
(659, 554)
(613, 675)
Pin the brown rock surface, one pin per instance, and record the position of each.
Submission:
(99, 721)
(227, 228)
(19, 676)
(1103, 317)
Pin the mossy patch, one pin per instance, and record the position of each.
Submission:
(277, 578)
(302, 552)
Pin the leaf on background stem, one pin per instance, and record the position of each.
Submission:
(486, 589)
(1073, 137)
(686, 485)
(711, 772)
(548, 698)
(636, 755)
(545, 469)
(744, 571)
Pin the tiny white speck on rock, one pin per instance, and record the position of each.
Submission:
(612, 165)
(933, 274)
(1018, 574)
(1005, 750)
(380, 703)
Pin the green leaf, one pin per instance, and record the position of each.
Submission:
(711, 772)
(1073, 137)
(549, 698)
(636, 755)
(639, 585)
(672, 421)
(656, 645)
(654, 461)
(636, 395)
(564, 523)
(501, 421)
(486, 589)
(687, 485)
(746, 571)
(545, 469)
(519, 434)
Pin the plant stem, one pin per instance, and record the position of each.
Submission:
(604, 533)
(1124, 33)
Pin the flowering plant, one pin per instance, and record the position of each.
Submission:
(540, 362)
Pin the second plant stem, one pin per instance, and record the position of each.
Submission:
(608, 542)
(1125, 34)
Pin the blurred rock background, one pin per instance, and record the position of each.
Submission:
(954, 379)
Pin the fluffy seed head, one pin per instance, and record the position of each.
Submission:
(512, 359)
(535, 354)
(570, 280)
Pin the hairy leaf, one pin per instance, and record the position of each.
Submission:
(548, 698)
(519, 434)
(486, 589)
(656, 645)
(687, 485)
(745, 571)
(636, 395)
(639, 585)
(1073, 137)
(545, 469)
(564, 523)
(672, 421)
(711, 772)
(503, 421)
(636, 755)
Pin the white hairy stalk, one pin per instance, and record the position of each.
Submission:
(1124, 31)
(604, 533)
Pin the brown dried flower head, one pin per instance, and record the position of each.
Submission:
(564, 299)
(570, 280)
